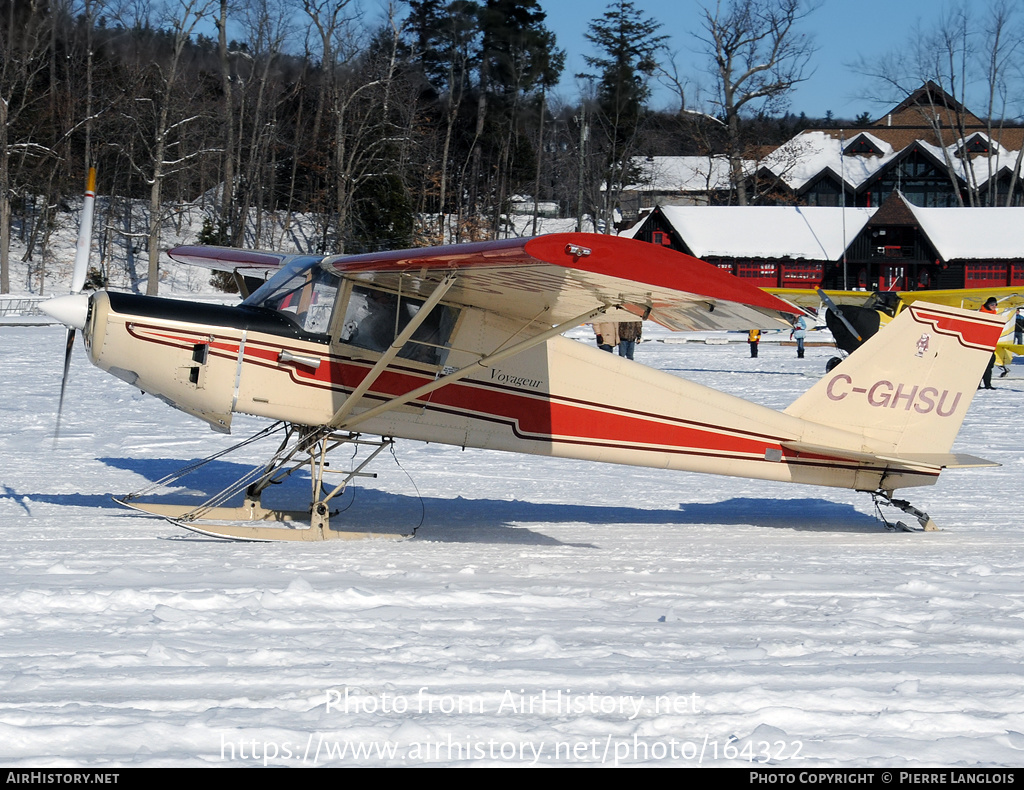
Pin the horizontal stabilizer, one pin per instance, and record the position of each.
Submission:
(934, 461)
(947, 460)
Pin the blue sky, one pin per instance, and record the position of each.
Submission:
(844, 31)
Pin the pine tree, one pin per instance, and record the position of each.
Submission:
(629, 45)
(518, 58)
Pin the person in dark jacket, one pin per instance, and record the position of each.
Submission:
(629, 335)
(986, 380)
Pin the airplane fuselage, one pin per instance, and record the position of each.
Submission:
(560, 398)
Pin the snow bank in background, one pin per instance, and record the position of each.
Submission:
(121, 255)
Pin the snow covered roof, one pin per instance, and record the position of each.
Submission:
(801, 159)
(815, 233)
(524, 204)
(804, 157)
(681, 173)
(883, 146)
(1000, 159)
(973, 233)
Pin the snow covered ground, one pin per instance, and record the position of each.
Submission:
(549, 612)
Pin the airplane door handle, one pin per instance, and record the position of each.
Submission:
(299, 359)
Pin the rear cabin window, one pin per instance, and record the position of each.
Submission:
(373, 319)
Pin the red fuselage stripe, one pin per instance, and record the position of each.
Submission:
(532, 416)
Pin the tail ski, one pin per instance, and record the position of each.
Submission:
(906, 391)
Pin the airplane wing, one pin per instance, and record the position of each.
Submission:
(248, 263)
(967, 298)
(808, 299)
(553, 278)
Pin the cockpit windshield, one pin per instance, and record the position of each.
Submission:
(302, 292)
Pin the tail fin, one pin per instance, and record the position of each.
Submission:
(906, 391)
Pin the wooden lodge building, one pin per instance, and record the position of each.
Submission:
(928, 196)
(932, 149)
(896, 247)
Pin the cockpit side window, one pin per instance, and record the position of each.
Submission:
(303, 293)
(373, 319)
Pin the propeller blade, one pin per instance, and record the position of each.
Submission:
(84, 246)
(68, 346)
(73, 310)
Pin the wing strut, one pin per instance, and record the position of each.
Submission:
(421, 315)
(461, 373)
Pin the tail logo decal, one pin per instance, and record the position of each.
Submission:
(886, 395)
(973, 332)
(922, 345)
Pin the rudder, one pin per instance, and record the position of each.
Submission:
(908, 388)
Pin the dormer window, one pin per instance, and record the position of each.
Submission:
(976, 144)
(861, 145)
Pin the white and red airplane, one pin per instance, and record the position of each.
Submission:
(462, 345)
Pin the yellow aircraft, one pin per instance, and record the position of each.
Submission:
(865, 312)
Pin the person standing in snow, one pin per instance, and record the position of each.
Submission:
(986, 379)
(799, 333)
(1018, 328)
(607, 335)
(753, 337)
(629, 335)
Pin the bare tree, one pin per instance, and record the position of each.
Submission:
(333, 42)
(24, 45)
(1003, 43)
(260, 88)
(162, 115)
(227, 193)
(460, 32)
(360, 72)
(758, 55)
